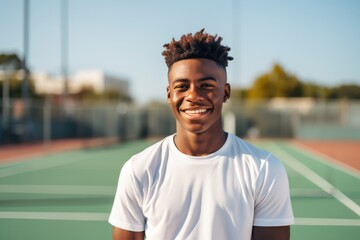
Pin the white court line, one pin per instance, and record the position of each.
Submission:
(67, 216)
(31, 166)
(58, 189)
(327, 222)
(316, 179)
(332, 162)
(305, 192)
(86, 216)
(35, 166)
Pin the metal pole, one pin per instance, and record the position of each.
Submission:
(6, 100)
(236, 38)
(47, 122)
(64, 46)
(25, 82)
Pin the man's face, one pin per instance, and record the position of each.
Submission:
(196, 92)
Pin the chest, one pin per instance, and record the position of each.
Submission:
(202, 192)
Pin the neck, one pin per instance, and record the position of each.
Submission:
(199, 144)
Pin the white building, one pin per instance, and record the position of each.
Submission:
(47, 84)
(98, 80)
(94, 79)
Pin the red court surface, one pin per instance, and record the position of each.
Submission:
(344, 151)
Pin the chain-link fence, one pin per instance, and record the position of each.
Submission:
(297, 118)
(48, 120)
(278, 118)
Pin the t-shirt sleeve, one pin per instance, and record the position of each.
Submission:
(127, 211)
(272, 198)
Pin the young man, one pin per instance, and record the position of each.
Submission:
(201, 182)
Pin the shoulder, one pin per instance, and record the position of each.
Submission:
(152, 152)
(149, 160)
(247, 151)
(252, 155)
(247, 148)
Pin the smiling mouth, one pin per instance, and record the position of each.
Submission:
(195, 112)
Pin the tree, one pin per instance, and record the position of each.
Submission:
(279, 83)
(276, 83)
(350, 91)
(10, 61)
(239, 93)
(11, 64)
(15, 87)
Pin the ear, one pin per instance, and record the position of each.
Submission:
(227, 92)
(168, 94)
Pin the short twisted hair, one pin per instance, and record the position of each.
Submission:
(199, 45)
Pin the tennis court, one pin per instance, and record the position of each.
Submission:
(68, 195)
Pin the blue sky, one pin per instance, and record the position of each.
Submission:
(317, 40)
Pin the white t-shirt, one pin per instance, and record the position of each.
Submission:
(223, 195)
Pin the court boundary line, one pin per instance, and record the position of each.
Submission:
(309, 174)
(328, 160)
(41, 164)
(64, 216)
(95, 216)
(305, 192)
(54, 147)
(327, 222)
(58, 189)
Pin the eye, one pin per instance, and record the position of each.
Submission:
(207, 85)
(181, 86)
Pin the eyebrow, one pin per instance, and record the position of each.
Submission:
(208, 78)
(181, 80)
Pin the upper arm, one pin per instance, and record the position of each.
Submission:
(271, 233)
(272, 196)
(126, 211)
(122, 234)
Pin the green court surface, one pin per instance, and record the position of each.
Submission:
(69, 195)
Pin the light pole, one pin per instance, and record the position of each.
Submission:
(236, 15)
(64, 46)
(25, 82)
(5, 100)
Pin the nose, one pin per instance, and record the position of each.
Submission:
(193, 94)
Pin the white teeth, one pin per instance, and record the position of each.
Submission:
(197, 111)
